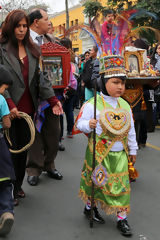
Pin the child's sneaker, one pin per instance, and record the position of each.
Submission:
(6, 223)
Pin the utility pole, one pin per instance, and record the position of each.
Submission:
(67, 15)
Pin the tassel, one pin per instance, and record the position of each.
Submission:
(143, 104)
(133, 173)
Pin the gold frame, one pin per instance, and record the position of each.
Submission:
(138, 54)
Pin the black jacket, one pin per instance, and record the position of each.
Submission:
(90, 72)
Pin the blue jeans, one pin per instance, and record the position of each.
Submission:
(6, 197)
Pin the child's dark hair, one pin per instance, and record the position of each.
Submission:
(5, 76)
(107, 12)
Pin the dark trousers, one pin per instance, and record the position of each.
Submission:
(6, 197)
(44, 150)
(76, 102)
(62, 127)
(68, 109)
(141, 131)
(20, 136)
(150, 117)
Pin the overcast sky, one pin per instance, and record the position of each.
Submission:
(59, 5)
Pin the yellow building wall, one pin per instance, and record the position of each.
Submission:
(76, 17)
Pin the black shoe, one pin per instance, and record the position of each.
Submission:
(132, 179)
(33, 180)
(55, 174)
(124, 227)
(61, 147)
(96, 215)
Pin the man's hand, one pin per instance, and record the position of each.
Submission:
(93, 123)
(14, 113)
(133, 158)
(57, 109)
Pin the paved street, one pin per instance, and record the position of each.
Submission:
(53, 211)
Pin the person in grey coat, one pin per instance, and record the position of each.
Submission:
(21, 57)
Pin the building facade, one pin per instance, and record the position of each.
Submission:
(81, 40)
(76, 17)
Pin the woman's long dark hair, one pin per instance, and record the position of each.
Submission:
(153, 59)
(8, 35)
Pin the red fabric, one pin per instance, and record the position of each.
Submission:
(75, 130)
(26, 103)
(10, 103)
(107, 29)
(52, 101)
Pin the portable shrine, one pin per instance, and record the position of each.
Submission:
(56, 62)
(139, 73)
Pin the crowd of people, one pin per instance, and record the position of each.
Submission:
(24, 88)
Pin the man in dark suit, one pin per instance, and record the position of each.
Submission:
(48, 139)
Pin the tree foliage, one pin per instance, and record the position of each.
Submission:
(10, 5)
(92, 8)
(152, 6)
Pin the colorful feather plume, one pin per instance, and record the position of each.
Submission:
(112, 37)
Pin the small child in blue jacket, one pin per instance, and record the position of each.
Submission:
(6, 166)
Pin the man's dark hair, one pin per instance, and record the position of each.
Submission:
(95, 48)
(66, 42)
(35, 14)
(141, 43)
(5, 76)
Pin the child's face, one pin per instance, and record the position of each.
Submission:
(115, 87)
(158, 50)
(110, 18)
(3, 87)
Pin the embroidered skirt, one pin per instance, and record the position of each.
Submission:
(113, 193)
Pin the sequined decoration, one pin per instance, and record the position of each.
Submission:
(100, 148)
(99, 176)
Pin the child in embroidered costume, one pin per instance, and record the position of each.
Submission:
(6, 165)
(115, 134)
